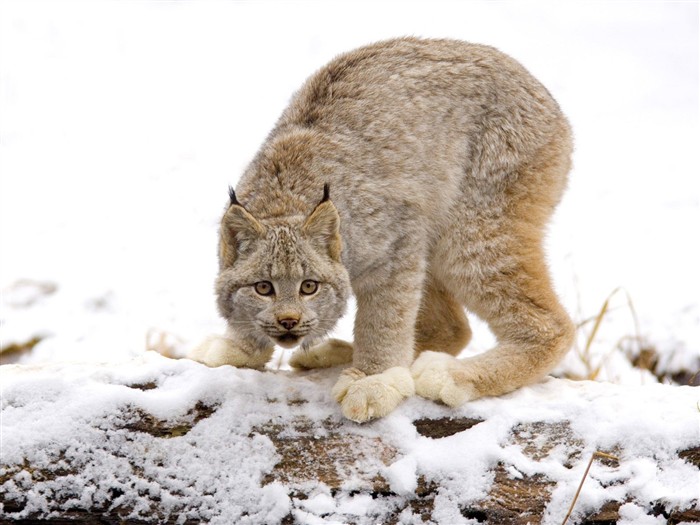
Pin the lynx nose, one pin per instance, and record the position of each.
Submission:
(288, 322)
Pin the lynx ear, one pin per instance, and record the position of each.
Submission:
(237, 226)
(323, 226)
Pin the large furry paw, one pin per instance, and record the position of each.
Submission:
(217, 350)
(364, 397)
(441, 377)
(332, 352)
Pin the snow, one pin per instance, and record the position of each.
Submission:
(75, 415)
(121, 126)
(632, 514)
(402, 477)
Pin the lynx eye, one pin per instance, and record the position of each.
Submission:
(309, 287)
(264, 288)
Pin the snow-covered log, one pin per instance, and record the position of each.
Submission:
(170, 441)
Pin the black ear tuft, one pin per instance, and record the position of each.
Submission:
(232, 196)
(322, 227)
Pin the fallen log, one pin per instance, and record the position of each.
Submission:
(307, 461)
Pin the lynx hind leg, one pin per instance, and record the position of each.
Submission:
(494, 264)
(532, 329)
(533, 332)
(218, 350)
(434, 375)
(330, 353)
(442, 325)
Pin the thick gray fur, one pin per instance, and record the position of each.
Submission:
(445, 161)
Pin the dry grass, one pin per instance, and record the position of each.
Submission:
(593, 361)
(596, 454)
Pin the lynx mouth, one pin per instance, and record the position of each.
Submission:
(288, 340)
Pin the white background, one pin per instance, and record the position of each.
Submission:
(122, 124)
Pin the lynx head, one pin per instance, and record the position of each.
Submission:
(281, 280)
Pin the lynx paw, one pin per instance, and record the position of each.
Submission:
(330, 353)
(364, 397)
(216, 350)
(436, 377)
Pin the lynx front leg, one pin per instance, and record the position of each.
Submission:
(364, 397)
(233, 350)
(384, 345)
(332, 352)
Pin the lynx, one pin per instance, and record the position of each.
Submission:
(418, 175)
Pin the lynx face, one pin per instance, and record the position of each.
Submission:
(282, 281)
